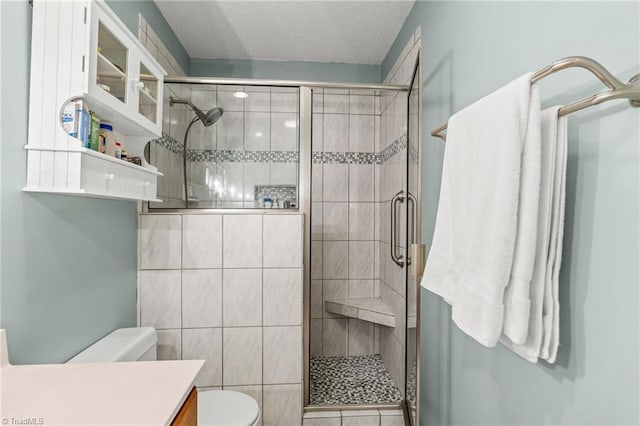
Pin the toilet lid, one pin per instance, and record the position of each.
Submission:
(226, 408)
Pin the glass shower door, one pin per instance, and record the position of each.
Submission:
(416, 249)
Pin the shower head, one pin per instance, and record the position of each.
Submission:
(207, 119)
(211, 116)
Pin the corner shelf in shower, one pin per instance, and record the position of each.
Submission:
(371, 309)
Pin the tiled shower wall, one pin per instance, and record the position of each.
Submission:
(228, 289)
(343, 211)
(254, 144)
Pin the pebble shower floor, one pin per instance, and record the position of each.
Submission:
(351, 380)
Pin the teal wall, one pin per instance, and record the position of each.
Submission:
(286, 70)
(68, 265)
(128, 11)
(470, 49)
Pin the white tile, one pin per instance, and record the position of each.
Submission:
(315, 337)
(361, 131)
(336, 103)
(360, 337)
(361, 182)
(242, 241)
(335, 133)
(282, 297)
(316, 221)
(360, 259)
(202, 298)
(255, 174)
(202, 137)
(258, 101)
(317, 97)
(203, 96)
(361, 217)
(334, 337)
(333, 290)
(335, 185)
(284, 131)
(360, 104)
(284, 173)
(282, 241)
(257, 131)
(242, 360)
(316, 182)
(282, 351)
(160, 299)
(242, 297)
(359, 289)
(284, 102)
(169, 344)
(391, 418)
(160, 241)
(335, 260)
(202, 241)
(361, 418)
(322, 418)
(317, 132)
(282, 405)
(228, 102)
(335, 221)
(254, 392)
(230, 131)
(206, 344)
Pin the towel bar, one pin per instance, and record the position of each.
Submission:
(618, 89)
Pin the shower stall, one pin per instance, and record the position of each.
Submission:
(347, 157)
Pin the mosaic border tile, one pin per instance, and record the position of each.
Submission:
(169, 143)
(229, 156)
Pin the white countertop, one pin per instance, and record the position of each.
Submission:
(119, 393)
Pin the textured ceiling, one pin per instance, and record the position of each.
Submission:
(348, 31)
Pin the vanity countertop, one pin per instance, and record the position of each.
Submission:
(118, 393)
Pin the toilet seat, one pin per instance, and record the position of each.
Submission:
(226, 408)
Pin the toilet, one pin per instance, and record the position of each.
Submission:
(215, 407)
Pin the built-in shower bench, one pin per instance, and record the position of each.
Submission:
(371, 309)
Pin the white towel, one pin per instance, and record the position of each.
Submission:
(472, 253)
(516, 297)
(553, 140)
(551, 305)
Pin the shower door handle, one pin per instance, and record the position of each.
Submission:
(397, 258)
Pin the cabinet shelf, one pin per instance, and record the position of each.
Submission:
(108, 69)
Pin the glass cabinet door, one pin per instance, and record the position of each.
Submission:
(112, 55)
(148, 94)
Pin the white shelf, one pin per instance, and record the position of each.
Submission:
(371, 309)
(107, 69)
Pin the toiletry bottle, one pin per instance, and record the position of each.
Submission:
(106, 132)
(118, 150)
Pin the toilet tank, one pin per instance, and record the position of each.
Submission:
(123, 344)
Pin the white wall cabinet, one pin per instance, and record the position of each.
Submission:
(81, 49)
